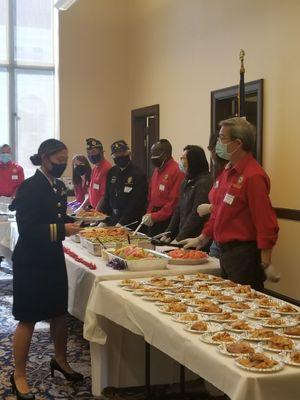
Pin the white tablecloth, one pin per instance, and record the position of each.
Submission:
(143, 319)
(8, 234)
(81, 279)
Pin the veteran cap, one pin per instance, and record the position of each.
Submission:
(119, 146)
(92, 143)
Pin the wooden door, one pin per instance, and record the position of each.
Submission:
(144, 133)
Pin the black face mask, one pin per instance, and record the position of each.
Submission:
(57, 169)
(80, 169)
(122, 161)
(158, 162)
(95, 158)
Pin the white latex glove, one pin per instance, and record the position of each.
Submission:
(271, 274)
(165, 239)
(147, 220)
(102, 225)
(197, 242)
(118, 225)
(204, 209)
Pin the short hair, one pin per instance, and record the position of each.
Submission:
(240, 128)
(165, 146)
(4, 145)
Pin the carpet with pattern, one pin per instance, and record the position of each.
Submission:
(41, 351)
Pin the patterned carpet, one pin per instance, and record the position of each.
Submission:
(41, 351)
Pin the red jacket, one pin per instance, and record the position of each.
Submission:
(164, 189)
(11, 176)
(98, 182)
(242, 209)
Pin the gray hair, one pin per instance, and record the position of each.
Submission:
(240, 128)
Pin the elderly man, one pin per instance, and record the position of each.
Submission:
(11, 174)
(126, 189)
(164, 188)
(243, 221)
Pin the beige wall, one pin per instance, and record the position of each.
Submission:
(123, 54)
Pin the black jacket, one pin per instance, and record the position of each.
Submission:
(125, 195)
(185, 221)
(40, 285)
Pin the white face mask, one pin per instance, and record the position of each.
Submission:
(182, 166)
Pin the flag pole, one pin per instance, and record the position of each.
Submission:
(241, 92)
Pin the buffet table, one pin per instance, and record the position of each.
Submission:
(110, 304)
(81, 279)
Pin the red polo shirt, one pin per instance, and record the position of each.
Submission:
(98, 182)
(242, 207)
(11, 177)
(164, 191)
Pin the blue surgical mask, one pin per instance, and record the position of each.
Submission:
(5, 158)
(221, 150)
(182, 167)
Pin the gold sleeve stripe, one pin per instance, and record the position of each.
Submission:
(51, 232)
(55, 232)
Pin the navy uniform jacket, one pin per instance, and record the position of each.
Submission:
(40, 285)
(125, 195)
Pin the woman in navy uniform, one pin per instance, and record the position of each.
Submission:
(40, 285)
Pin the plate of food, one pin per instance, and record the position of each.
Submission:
(238, 306)
(267, 302)
(282, 322)
(254, 295)
(174, 308)
(185, 318)
(278, 343)
(239, 326)
(287, 309)
(259, 362)
(216, 280)
(259, 334)
(198, 301)
(89, 216)
(156, 296)
(134, 286)
(224, 317)
(235, 349)
(227, 298)
(209, 309)
(260, 314)
(167, 300)
(291, 332)
(127, 282)
(220, 337)
(187, 296)
(242, 290)
(203, 326)
(291, 358)
(201, 276)
(187, 257)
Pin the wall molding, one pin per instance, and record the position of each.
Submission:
(287, 213)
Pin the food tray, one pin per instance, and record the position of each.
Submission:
(186, 261)
(160, 262)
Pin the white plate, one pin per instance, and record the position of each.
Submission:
(286, 357)
(229, 328)
(275, 303)
(222, 349)
(264, 346)
(276, 368)
(211, 327)
(162, 309)
(187, 261)
(214, 318)
(207, 338)
(250, 314)
(291, 313)
(236, 299)
(176, 318)
(287, 322)
(247, 336)
(251, 305)
(281, 331)
(90, 219)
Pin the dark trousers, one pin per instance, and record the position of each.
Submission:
(158, 227)
(240, 262)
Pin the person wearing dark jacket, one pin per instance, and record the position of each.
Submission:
(40, 285)
(126, 189)
(185, 221)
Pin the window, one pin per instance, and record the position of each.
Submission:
(27, 76)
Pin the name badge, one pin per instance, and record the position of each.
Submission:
(216, 185)
(161, 188)
(96, 186)
(228, 198)
(14, 177)
(127, 189)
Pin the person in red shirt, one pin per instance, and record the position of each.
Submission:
(242, 221)
(164, 188)
(99, 172)
(11, 174)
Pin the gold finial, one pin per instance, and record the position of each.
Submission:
(242, 55)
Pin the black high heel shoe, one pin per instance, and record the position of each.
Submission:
(15, 391)
(73, 376)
